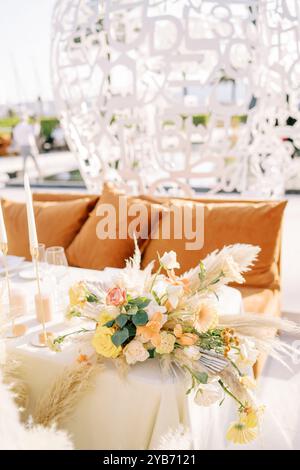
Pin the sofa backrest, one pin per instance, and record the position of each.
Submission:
(227, 221)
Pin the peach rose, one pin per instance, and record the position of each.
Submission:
(116, 296)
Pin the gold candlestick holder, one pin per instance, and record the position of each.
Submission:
(37, 342)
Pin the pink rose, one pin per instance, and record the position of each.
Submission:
(116, 296)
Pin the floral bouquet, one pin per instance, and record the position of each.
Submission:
(144, 315)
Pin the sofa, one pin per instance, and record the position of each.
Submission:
(71, 221)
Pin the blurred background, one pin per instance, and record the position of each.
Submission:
(26, 91)
(159, 95)
(204, 93)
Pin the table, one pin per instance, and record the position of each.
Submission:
(122, 414)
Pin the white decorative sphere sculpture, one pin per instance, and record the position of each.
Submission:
(180, 95)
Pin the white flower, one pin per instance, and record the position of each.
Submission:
(135, 352)
(174, 293)
(167, 342)
(231, 270)
(248, 354)
(167, 292)
(248, 382)
(111, 310)
(192, 352)
(154, 308)
(208, 394)
(169, 260)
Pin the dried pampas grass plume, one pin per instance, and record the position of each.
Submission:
(242, 255)
(11, 373)
(261, 329)
(16, 436)
(251, 324)
(176, 439)
(38, 437)
(62, 397)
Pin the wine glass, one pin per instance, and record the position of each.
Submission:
(58, 267)
(56, 258)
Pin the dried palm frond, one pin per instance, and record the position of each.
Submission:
(62, 397)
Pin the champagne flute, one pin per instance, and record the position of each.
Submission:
(58, 267)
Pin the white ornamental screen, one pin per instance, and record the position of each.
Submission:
(180, 95)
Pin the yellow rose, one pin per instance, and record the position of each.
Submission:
(167, 342)
(103, 344)
(105, 317)
(77, 295)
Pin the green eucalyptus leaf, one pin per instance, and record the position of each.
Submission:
(131, 309)
(140, 318)
(121, 320)
(140, 302)
(143, 302)
(91, 297)
(151, 353)
(201, 377)
(131, 329)
(109, 323)
(119, 337)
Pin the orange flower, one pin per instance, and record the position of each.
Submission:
(188, 339)
(150, 331)
(82, 358)
(178, 330)
(175, 281)
(185, 339)
(206, 317)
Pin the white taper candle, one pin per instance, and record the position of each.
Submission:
(3, 236)
(30, 215)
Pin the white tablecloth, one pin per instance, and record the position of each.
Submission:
(123, 414)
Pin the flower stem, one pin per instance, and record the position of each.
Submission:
(236, 367)
(226, 390)
(89, 318)
(60, 339)
(155, 277)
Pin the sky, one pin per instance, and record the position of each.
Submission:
(25, 34)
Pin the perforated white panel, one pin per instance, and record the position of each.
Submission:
(151, 92)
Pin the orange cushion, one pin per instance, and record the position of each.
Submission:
(226, 223)
(57, 223)
(63, 197)
(264, 301)
(88, 250)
